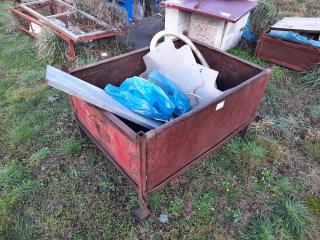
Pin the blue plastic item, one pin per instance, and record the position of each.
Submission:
(248, 35)
(127, 5)
(143, 97)
(295, 37)
(177, 97)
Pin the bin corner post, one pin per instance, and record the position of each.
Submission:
(142, 212)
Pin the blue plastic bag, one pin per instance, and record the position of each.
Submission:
(177, 97)
(295, 37)
(143, 97)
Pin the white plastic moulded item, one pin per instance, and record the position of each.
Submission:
(179, 65)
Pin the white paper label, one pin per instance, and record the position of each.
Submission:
(219, 106)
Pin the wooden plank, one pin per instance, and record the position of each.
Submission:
(296, 24)
(94, 95)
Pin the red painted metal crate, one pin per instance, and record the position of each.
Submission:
(299, 57)
(150, 159)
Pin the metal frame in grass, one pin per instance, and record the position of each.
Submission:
(30, 12)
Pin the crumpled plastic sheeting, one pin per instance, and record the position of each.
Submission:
(295, 37)
(143, 97)
(175, 94)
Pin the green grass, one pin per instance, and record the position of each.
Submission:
(155, 200)
(235, 215)
(50, 48)
(41, 154)
(245, 151)
(15, 186)
(56, 185)
(293, 215)
(312, 149)
(311, 78)
(315, 111)
(11, 175)
(314, 205)
(259, 227)
(204, 205)
(71, 146)
(176, 206)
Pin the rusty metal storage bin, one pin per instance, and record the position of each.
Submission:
(299, 57)
(150, 159)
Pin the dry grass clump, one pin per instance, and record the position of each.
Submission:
(50, 48)
(311, 78)
(264, 16)
(109, 13)
(309, 8)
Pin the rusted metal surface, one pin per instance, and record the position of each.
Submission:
(113, 136)
(151, 159)
(227, 10)
(168, 154)
(241, 131)
(292, 55)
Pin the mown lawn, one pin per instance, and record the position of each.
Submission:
(56, 185)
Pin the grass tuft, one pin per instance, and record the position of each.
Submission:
(314, 205)
(155, 200)
(71, 146)
(312, 149)
(293, 215)
(106, 186)
(11, 175)
(271, 146)
(263, 16)
(204, 204)
(315, 111)
(311, 78)
(245, 150)
(235, 215)
(23, 133)
(41, 154)
(260, 227)
(50, 48)
(176, 206)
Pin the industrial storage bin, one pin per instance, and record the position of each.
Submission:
(150, 159)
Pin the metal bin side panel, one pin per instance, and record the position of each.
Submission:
(121, 148)
(112, 70)
(291, 55)
(232, 70)
(177, 145)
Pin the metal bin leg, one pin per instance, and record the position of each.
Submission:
(143, 211)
